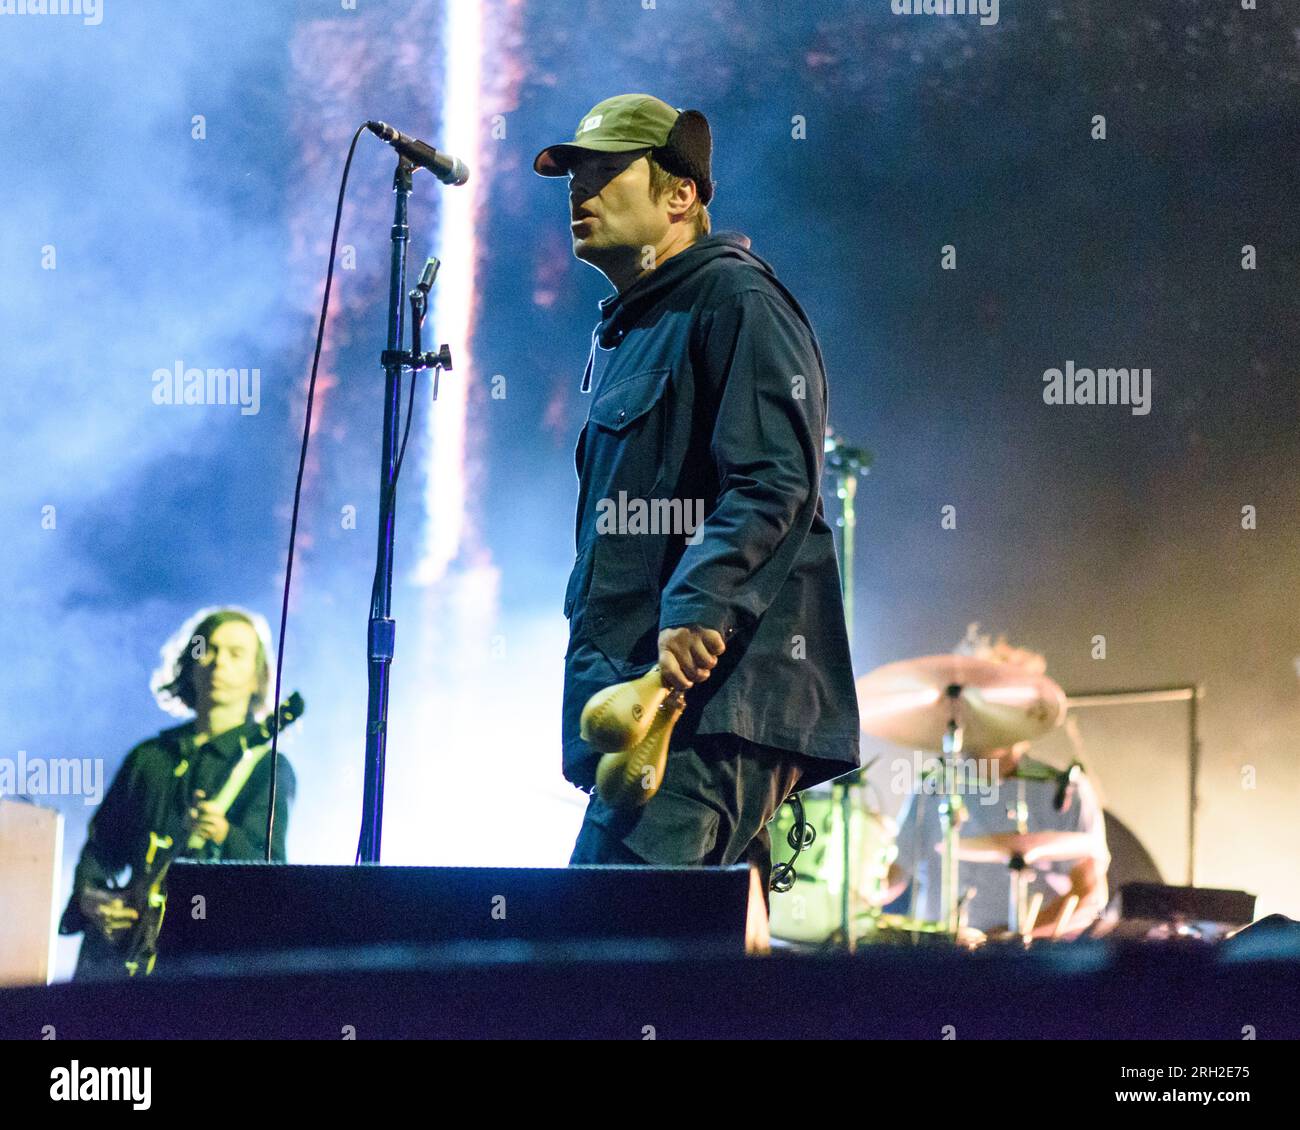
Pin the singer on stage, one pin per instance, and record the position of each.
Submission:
(708, 395)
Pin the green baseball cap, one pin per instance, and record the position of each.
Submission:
(628, 122)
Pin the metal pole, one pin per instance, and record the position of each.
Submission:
(847, 492)
(1193, 777)
(382, 628)
(1192, 695)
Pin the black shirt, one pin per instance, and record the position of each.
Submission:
(152, 792)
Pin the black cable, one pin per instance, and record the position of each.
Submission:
(297, 490)
(392, 487)
(417, 316)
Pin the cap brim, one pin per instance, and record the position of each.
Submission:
(553, 161)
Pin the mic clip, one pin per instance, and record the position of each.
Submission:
(416, 359)
(409, 359)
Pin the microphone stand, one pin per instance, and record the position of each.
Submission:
(382, 627)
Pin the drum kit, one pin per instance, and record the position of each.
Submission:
(954, 705)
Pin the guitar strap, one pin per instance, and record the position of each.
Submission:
(226, 796)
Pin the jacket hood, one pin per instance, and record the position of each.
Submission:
(619, 311)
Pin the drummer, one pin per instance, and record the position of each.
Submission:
(920, 835)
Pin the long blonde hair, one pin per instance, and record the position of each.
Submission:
(173, 682)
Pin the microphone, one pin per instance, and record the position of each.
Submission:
(446, 168)
(429, 274)
(1065, 787)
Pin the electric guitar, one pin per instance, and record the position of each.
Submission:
(146, 891)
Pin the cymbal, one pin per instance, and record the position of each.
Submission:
(997, 704)
(1033, 847)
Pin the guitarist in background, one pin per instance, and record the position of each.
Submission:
(216, 667)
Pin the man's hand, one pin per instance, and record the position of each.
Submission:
(896, 881)
(204, 819)
(106, 911)
(1086, 889)
(688, 655)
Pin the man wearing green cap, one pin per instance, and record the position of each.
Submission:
(708, 396)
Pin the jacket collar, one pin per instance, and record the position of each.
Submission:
(620, 311)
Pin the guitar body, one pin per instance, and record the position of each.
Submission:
(147, 893)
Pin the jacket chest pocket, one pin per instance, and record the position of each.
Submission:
(620, 406)
(626, 435)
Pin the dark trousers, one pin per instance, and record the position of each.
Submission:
(717, 796)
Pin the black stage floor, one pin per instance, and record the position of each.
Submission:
(1248, 987)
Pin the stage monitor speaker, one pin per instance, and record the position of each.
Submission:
(1157, 902)
(31, 844)
(223, 908)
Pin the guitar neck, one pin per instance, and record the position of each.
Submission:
(234, 785)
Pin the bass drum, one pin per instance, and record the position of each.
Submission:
(810, 911)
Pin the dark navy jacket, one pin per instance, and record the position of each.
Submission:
(708, 388)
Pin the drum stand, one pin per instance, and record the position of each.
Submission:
(951, 814)
(1022, 913)
(845, 785)
(847, 463)
(1017, 870)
